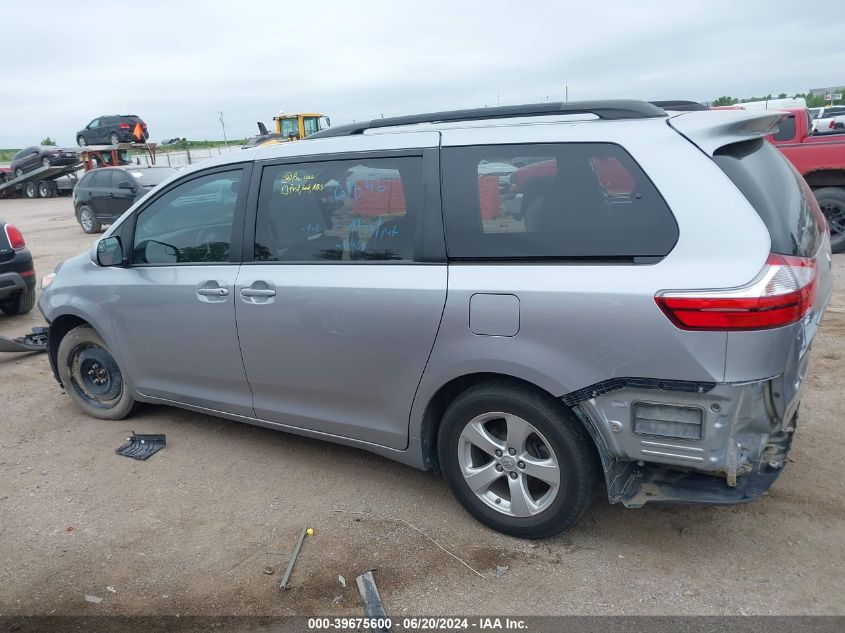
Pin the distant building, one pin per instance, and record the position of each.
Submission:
(820, 92)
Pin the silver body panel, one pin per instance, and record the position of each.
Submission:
(177, 344)
(340, 349)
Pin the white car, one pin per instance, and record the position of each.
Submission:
(830, 121)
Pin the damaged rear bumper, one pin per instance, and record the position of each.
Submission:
(674, 442)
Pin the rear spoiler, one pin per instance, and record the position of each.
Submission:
(716, 128)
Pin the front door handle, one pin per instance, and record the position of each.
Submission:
(213, 292)
(258, 292)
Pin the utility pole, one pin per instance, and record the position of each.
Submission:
(566, 92)
(223, 123)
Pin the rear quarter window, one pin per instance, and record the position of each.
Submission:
(777, 192)
(552, 201)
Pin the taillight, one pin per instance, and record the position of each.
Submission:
(15, 237)
(832, 124)
(782, 293)
(124, 126)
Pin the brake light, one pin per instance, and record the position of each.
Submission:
(15, 237)
(124, 126)
(782, 293)
(832, 124)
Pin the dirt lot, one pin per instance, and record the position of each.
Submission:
(191, 530)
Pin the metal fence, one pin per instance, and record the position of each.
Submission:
(182, 158)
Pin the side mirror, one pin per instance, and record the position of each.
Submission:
(109, 252)
(127, 185)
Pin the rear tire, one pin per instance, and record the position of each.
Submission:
(832, 203)
(19, 304)
(45, 189)
(543, 477)
(91, 376)
(114, 139)
(87, 220)
(30, 190)
(45, 162)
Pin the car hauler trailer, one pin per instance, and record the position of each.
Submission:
(44, 182)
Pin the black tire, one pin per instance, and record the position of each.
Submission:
(82, 358)
(19, 172)
(114, 139)
(832, 203)
(20, 303)
(30, 190)
(573, 450)
(87, 220)
(80, 140)
(45, 162)
(45, 189)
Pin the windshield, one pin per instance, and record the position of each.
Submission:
(290, 127)
(153, 176)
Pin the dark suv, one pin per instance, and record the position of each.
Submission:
(17, 274)
(104, 194)
(120, 128)
(31, 158)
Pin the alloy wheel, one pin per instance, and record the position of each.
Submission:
(508, 464)
(86, 219)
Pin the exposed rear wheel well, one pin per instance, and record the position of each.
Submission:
(58, 328)
(447, 393)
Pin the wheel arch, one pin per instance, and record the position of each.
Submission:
(825, 178)
(446, 394)
(60, 326)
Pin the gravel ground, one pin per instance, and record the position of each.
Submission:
(191, 530)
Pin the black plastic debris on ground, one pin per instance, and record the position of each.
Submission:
(142, 446)
(35, 341)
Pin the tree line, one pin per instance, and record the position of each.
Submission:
(813, 101)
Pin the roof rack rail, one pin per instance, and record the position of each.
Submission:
(680, 105)
(610, 109)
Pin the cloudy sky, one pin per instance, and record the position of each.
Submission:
(178, 62)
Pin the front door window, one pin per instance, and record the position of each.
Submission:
(190, 224)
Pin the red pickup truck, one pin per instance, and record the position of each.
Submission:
(821, 160)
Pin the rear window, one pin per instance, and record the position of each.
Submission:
(552, 201)
(151, 177)
(777, 192)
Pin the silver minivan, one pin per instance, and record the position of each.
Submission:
(527, 299)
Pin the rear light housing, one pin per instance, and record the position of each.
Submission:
(125, 126)
(782, 294)
(15, 237)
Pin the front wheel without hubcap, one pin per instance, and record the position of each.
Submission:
(91, 377)
(517, 460)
